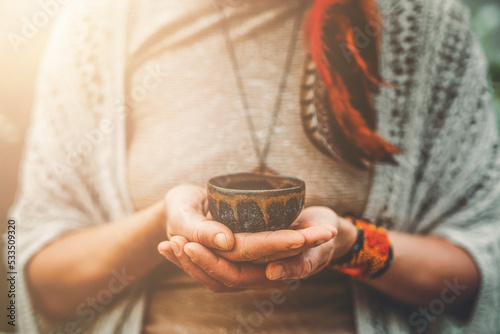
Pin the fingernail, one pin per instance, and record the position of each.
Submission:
(221, 241)
(296, 246)
(175, 247)
(277, 272)
(189, 253)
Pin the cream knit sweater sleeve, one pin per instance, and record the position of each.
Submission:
(72, 174)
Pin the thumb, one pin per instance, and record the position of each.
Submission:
(209, 233)
(185, 206)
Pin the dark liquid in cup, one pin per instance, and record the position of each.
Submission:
(250, 185)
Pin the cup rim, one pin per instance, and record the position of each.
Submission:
(299, 184)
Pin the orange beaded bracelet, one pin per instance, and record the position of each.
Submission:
(370, 256)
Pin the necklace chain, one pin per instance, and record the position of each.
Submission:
(261, 154)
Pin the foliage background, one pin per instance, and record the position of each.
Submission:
(486, 21)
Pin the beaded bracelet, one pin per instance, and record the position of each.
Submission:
(370, 256)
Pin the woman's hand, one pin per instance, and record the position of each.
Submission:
(313, 260)
(186, 211)
(232, 271)
(188, 217)
(215, 272)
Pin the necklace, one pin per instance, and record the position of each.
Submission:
(261, 153)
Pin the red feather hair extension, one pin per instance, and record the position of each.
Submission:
(333, 70)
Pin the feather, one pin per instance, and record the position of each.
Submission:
(350, 73)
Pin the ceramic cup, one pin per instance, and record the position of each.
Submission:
(249, 202)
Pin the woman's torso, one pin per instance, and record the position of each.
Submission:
(187, 125)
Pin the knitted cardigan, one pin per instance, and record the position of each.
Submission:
(439, 111)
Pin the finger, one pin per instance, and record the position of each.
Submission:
(303, 224)
(242, 275)
(318, 234)
(198, 228)
(314, 236)
(318, 214)
(252, 246)
(301, 266)
(165, 249)
(186, 206)
(212, 234)
(178, 244)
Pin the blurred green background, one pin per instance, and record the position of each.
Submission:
(486, 21)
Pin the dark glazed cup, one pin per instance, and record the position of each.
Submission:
(248, 202)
